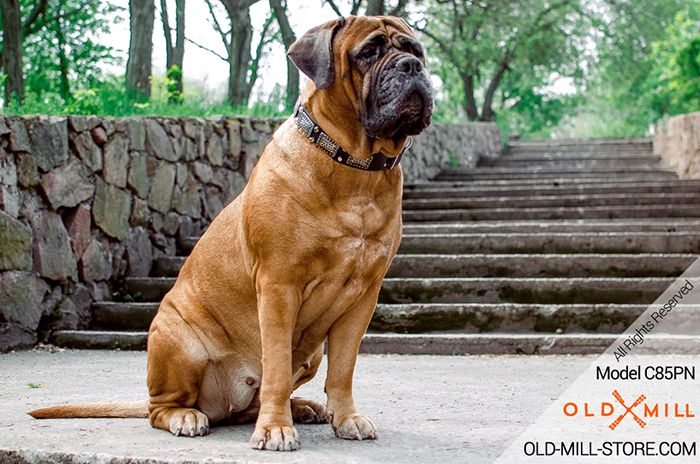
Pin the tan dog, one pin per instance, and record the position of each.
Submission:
(298, 257)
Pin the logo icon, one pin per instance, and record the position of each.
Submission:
(628, 410)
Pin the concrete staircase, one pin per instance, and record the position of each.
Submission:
(554, 248)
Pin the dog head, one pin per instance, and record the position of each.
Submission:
(375, 65)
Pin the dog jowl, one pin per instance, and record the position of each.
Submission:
(298, 258)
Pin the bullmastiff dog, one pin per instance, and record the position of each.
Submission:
(298, 257)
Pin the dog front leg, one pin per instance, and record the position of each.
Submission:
(344, 340)
(277, 310)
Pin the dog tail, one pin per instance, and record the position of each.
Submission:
(120, 409)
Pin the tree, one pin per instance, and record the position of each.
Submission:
(174, 52)
(483, 41)
(12, 50)
(138, 66)
(374, 7)
(288, 38)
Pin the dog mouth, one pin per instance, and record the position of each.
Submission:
(399, 107)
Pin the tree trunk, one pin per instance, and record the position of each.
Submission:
(288, 38)
(12, 52)
(174, 53)
(470, 103)
(63, 62)
(239, 53)
(138, 66)
(375, 8)
(487, 113)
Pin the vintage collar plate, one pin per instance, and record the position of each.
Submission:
(310, 128)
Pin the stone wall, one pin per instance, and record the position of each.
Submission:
(86, 202)
(677, 140)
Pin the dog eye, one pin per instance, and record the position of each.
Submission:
(368, 53)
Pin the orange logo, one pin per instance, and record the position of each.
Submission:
(628, 410)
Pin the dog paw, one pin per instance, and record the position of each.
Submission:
(189, 423)
(354, 427)
(275, 438)
(308, 412)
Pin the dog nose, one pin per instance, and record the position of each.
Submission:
(409, 65)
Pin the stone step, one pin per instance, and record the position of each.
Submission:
(435, 344)
(525, 214)
(667, 187)
(534, 182)
(627, 159)
(570, 163)
(601, 290)
(633, 290)
(514, 265)
(631, 143)
(419, 317)
(636, 173)
(543, 201)
(590, 225)
(553, 242)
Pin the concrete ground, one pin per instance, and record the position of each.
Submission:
(427, 409)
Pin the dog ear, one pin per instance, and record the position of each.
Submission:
(313, 53)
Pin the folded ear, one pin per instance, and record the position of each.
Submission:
(313, 53)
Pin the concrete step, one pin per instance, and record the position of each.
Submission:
(668, 187)
(571, 163)
(627, 159)
(592, 225)
(435, 344)
(534, 182)
(600, 290)
(527, 214)
(633, 290)
(636, 173)
(554, 201)
(514, 265)
(420, 317)
(554, 242)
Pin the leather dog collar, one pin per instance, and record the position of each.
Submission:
(310, 128)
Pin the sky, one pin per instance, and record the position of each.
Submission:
(204, 66)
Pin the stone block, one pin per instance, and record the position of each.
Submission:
(53, 256)
(19, 137)
(9, 200)
(27, 171)
(203, 172)
(15, 244)
(171, 224)
(234, 141)
(158, 142)
(93, 121)
(182, 174)
(78, 221)
(139, 255)
(213, 202)
(15, 337)
(109, 126)
(161, 193)
(187, 201)
(138, 175)
(189, 150)
(175, 130)
(4, 130)
(88, 151)
(21, 295)
(137, 134)
(75, 310)
(116, 161)
(49, 139)
(77, 123)
(99, 135)
(67, 185)
(215, 150)
(111, 209)
(139, 213)
(191, 127)
(95, 263)
(8, 169)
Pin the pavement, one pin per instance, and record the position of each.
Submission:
(427, 409)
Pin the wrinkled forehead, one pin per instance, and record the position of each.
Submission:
(361, 29)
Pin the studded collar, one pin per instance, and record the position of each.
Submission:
(310, 128)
